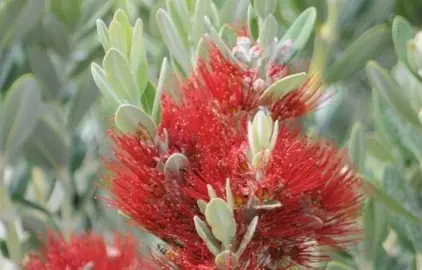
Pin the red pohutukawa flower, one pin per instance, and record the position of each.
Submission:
(225, 150)
(87, 251)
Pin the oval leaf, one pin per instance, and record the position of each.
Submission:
(138, 59)
(102, 33)
(268, 31)
(81, 102)
(42, 67)
(220, 217)
(175, 163)
(247, 237)
(173, 41)
(129, 118)
(264, 8)
(118, 39)
(390, 92)
(368, 46)
(198, 27)
(19, 17)
(357, 147)
(100, 80)
(47, 147)
(402, 33)
(393, 205)
(377, 149)
(120, 77)
(206, 235)
(300, 31)
(21, 108)
(283, 86)
(226, 260)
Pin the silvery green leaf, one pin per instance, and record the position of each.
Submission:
(206, 235)
(397, 187)
(130, 118)
(218, 41)
(253, 23)
(180, 18)
(57, 35)
(410, 137)
(118, 38)
(214, 16)
(138, 59)
(407, 80)
(375, 221)
(121, 17)
(102, 33)
(19, 114)
(202, 50)
(264, 8)
(68, 12)
(198, 26)
(47, 147)
(17, 17)
(229, 35)
(234, 11)
(220, 217)
(211, 192)
(202, 205)
(268, 31)
(247, 237)
(380, 122)
(173, 41)
(357, 147)
(402, 33)
(300, 30)
(229, 195)
(377, 149)
(81, 102)
(355, 56)
(175, 163)
(100, 80)
(390, 202)
(120, 77)
(226, 260)
(43, 69)
(283, 86)
(390, 92)
(159, 90)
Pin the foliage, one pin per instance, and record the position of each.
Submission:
(55, 105)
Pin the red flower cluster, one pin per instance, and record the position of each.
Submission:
(319, 195)
(87, 251)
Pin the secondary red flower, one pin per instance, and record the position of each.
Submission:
(89, 251)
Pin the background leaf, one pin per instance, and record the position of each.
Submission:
(21, 108)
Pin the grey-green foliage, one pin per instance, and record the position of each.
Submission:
(392, 157)
(43, 114)
(55, 115)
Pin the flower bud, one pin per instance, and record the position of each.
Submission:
(262, 136)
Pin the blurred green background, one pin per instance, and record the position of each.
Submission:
(53, 119)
